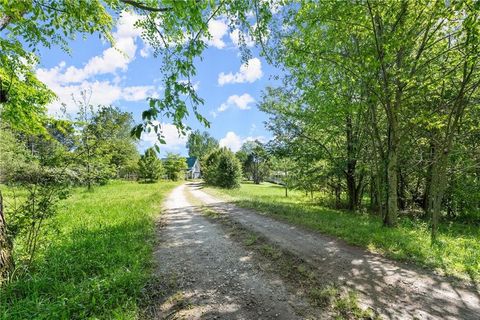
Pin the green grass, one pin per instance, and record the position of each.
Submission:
(97, 264)
(457, 252)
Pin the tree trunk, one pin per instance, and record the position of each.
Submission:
(352, 192)
(393, 144)
(351, 166)
(402, 199)
(89, 177)
(338, 193)
(373, 198)
(391, 213)
(378, 162)
(256, 175)
(438, 185)
(6, 257)
(428, 180)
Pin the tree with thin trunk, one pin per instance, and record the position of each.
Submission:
(6, 256)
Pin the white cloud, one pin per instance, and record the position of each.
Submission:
(174, 140)
(217, 29)
(241, 102)
(262, 139)
(234, 142)
(253, 128)
(236, 38)
(138, 93)
(195, 85)
(66, 81)
(275, 6)
(100, 92)
(111, 60)
(231, 141)
(249, 72)
(146, 51)
(126, 26)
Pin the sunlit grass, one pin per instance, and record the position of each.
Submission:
(456, 253)
(97, 264)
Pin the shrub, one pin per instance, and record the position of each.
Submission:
(150, 168)
(222, 169)
(209, 167)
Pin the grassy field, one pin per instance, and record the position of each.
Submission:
(97, 264)
(457, 252)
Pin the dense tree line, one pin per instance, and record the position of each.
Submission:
(380, 101)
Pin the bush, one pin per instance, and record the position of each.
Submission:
(222, 169)
(209, 167)
(149, 166)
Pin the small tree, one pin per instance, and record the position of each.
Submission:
(6, 247)
(255, 161)
(283, 172)
(223, 169)
(150, 168)
(209, 167)
(32, 219)
(175, 166)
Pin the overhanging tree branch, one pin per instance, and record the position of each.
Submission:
(142, 6)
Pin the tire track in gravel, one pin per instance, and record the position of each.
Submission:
(206, 275)
(394, 289)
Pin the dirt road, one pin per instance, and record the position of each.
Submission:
(206, 275)
(394, 289)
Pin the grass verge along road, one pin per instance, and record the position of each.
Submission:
(97, 262)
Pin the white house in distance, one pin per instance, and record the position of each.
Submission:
(193, 170)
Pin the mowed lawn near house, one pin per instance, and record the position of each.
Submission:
(97, 262)
(456, 253)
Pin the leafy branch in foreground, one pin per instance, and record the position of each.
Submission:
(178, 32)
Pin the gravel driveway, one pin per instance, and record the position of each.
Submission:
(208, 275)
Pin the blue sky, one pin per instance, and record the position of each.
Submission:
(126, 75)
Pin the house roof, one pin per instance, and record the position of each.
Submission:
(191, 162)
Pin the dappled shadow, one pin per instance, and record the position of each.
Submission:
(196, 185)
(208, 275)
(395, 289)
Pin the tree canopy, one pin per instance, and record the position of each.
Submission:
(200, 144)
(175, 166)
(376, 94)
(176, 30)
